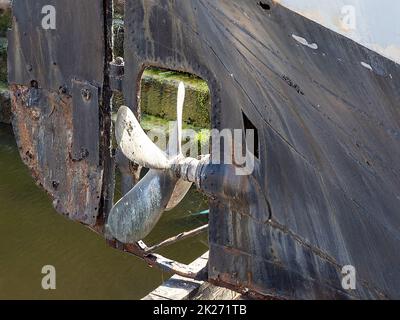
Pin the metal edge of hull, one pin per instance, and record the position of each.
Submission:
(329, 131)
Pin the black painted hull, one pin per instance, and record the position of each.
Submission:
(329, 143)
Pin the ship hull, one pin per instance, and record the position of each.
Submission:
(327, 116)
(325, 189)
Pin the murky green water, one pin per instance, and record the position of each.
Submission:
(32, 235)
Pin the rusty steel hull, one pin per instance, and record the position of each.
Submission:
(325, 190)
(63, 137)
(328, 166)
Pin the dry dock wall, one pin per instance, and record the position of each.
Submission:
(5, 103)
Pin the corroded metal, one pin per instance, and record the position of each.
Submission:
(137, 213)
(328, 171)
(85, 121)
(156, 260)
(47, 56)
(60, 99)
(116, 74)
(324, 192)
(179, 237)
(64, 132)
(43, 132)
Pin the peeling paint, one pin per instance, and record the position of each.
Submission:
(375, 22)
(304, 42)
(366, 65)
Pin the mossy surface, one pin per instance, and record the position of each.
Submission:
(5, 105)
(201, 137)
(159, 86)
(3, 62)
(118, 37)
(149, 122)
(5, 22)
(158, 102)
(159, 94)
(119, 8)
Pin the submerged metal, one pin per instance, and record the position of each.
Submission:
(60, 100)
(325, 190)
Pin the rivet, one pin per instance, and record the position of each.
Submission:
(62, 90)
(86, 94)
(119, 61)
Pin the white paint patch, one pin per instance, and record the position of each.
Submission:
(366, 65)
(304, 42)
(374, 24)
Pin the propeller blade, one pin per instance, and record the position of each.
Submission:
(179, 114)
(126, 175)
(175, 139)
(175, 143)
(135, 144)
(180, 191)
(137, 213)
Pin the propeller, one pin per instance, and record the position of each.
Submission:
(170, 177)
(135, 144)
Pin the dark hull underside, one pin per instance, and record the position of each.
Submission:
(329, 162)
